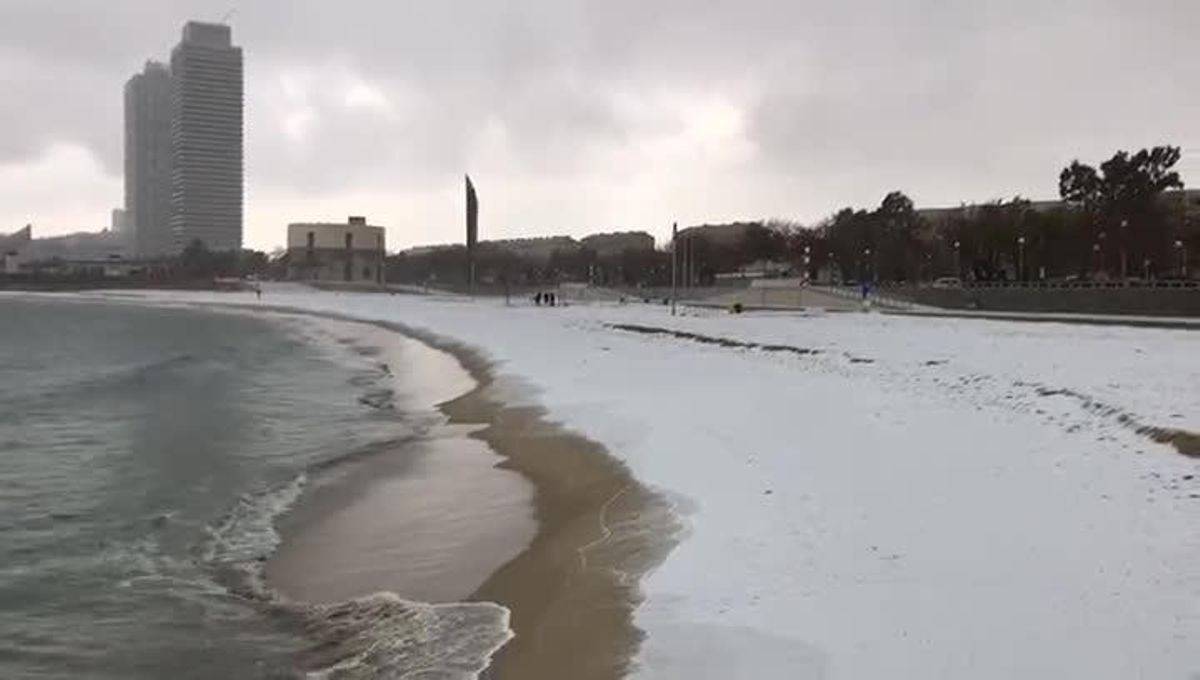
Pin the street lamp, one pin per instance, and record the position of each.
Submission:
(1021, 258)
(807, 262)
(1181, 254)
(1124, 258)
(957, 258)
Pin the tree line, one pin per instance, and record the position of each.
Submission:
(1113, 221)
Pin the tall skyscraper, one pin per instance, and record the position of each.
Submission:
(206, 138)
(148, 161)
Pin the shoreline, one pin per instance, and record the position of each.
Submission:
(400, 504)
(572, 591)
(827, 494)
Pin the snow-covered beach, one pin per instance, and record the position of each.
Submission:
(869, 496)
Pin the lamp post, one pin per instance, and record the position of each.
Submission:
(957, 259)
(1181, 255)
(674, 264)
(1124, 255)
(807, 261)
(1021, 258)
(866, 265)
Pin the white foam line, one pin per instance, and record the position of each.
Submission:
(607, 533)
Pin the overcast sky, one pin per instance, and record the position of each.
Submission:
(575, 116)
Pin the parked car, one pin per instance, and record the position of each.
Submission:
(948, 282)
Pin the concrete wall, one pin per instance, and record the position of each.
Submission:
(335, 265)
(333, 236)
(1131, 300)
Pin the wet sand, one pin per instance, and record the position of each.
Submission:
(573, 592)
(502, 506)
(428, 517)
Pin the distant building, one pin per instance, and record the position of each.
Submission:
(540, 248)
(206, 138)
(1188, 198)
(617, 243)
(420, 251)
(759, 269)
(322, 251)
(20, 251)
(121, 226)
(85, 246)
(721, 234)
(14, 250)
(148, 162)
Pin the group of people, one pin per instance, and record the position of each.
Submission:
(548, 299)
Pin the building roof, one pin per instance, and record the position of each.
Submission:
(352, 222)
(1192, 196)
(720, 234)
(16, 241)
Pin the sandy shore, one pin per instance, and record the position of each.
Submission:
(573, 591)
(428, 516)
(861, 497)
(502, 506)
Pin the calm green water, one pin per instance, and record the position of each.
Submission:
(144, 454)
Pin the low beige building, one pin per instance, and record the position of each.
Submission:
(326, 251)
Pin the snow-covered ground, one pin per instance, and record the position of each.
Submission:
(919, 498)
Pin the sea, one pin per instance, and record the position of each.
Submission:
(146, 454)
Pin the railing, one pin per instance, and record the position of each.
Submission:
(1045, 285)
(874, 296)
(1084, 285)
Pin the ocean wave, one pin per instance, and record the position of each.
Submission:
(379, 636)
(139, 374)
(385, 636)
(110, 382)
(240, 542)
(382, 399)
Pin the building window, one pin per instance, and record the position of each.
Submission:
(312, 238)
(349, 241)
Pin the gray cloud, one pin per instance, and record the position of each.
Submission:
(952, 100)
